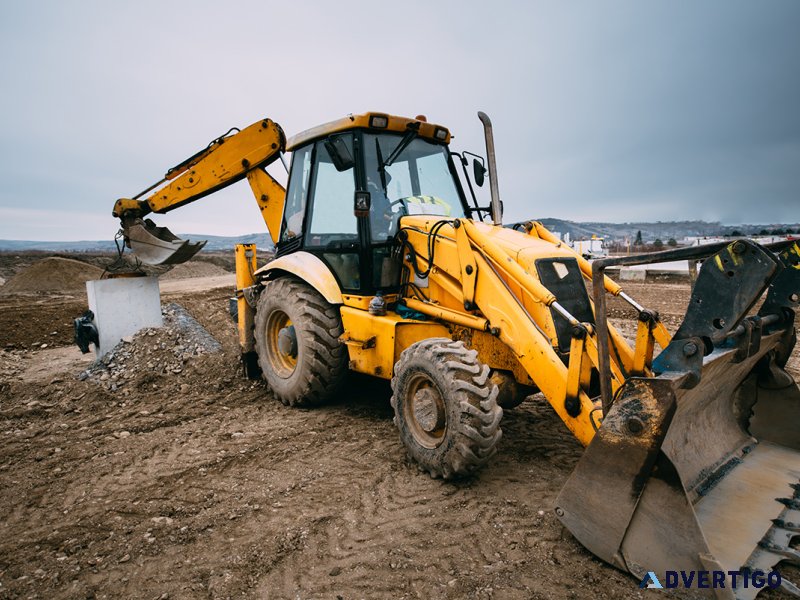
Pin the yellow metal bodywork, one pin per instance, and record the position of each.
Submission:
(310, 269)
(394, 123)
(374, 343)
(270, 196)
(511, 304)
(245, 256)
(125, 206)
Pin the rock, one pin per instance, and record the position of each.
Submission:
(335, 571)
(162, 520)
(122, 434)
(125, 558)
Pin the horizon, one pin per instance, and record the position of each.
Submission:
(203, 235)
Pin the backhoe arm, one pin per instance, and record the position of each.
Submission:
(226, 160)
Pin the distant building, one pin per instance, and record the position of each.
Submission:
(591, 248)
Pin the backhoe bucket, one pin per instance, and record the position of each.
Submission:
(158, 245)
(697, 469)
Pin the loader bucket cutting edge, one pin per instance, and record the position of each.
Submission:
(682, 476)
(158, 245)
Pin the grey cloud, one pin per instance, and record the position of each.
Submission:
(611, 111)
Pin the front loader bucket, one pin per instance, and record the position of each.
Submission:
(158, 245)
(697, 469)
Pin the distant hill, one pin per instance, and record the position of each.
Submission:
(215, 243)
(218, 242)
(658, 230)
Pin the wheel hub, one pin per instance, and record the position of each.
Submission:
(287, 341)
(428, 410)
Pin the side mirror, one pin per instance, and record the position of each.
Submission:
(340, 154)
(361, 203)
(478, 172)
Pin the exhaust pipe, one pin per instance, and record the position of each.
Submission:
(497, 209)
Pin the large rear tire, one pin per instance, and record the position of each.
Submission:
(297, 341)
(445, 407)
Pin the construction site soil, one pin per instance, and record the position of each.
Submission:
(181, 479)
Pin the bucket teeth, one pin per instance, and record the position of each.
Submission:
(786, 525)
(789, 554)
(796, 488)
(792, 503)
(789, 587)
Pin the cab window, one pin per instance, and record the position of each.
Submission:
(333, 223)
(418, 181)
(294, 211)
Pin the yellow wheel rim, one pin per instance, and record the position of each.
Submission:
(282, 347)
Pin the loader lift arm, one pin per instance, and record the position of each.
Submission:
(227, 159)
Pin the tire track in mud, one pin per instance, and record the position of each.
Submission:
(318, 503)
(406, 534)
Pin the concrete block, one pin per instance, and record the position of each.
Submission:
(632, 274)
(122, 307)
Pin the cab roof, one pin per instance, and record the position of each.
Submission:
(374, 121)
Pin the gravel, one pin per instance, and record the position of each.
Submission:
(163, 350)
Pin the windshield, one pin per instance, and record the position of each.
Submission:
(418, 181)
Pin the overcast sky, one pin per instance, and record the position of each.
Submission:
(613, 111)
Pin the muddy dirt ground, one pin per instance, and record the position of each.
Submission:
(200, 485)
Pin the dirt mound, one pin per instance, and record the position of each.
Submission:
(52, 274)
(194, 269)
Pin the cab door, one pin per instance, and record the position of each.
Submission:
(330, 228)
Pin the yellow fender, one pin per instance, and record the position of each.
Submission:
(307, 267)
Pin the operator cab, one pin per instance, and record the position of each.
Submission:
(351, 182)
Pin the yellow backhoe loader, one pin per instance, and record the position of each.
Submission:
(387, 264)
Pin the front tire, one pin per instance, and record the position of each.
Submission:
(297, 340)
(446, 407)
